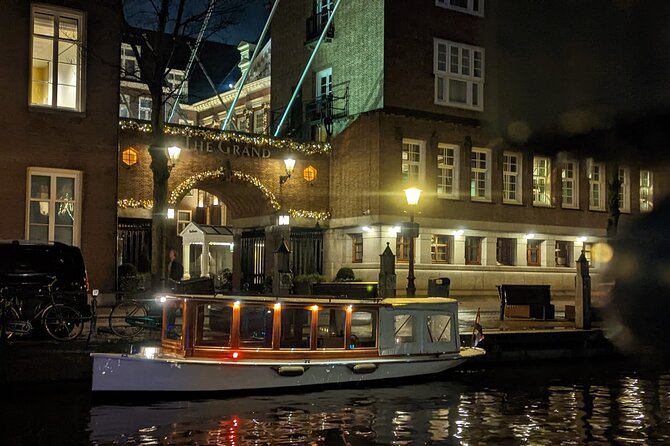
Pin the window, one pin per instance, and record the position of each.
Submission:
(459, 75)
(589, 253)
(511, 177)
(56, 66)
(296, 325)
(260, 121)
(357, 248)
(447, 171)
(175, 79)
(144, 108)
(129, 67)
(404, 328)
(324, 83)
(506, 251)
(330, 328)
(439, 327)
(183, 219)
(541, 181)
(54, 205)
(412, 155)
(475, 7)
(130, 156)
(646, 190)
(363, 329)
(216, 325)
(323, 10)
(256, 326)
(124, 106)
(570, 182)
(563, 253)
(480, 179)
(624, 189)
(533, 252)
(242, 123)
(473, 250)
(596, 186)
(440, 248)
(402, 248)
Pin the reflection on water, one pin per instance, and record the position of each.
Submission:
(534, 404)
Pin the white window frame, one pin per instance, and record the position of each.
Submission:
(323, 10)
(128, 58)
(174, 79)
(182, 223)
(570, 177)
(124, 106)
(474, 7)
(646, 190)
(597, 183)
(53, 200)
(53, 83)
(512, 176)
(480, 173)
(323, 83)
(411, 150)
(469, 69)
(542, 181)
(447, 167)
(260, 121)
(144, 111)
(624, 189)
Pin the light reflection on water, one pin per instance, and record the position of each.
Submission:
(531, 404)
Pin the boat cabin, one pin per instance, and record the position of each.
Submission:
(267, 327)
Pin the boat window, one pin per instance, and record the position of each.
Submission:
(256, 326)
(173, 328)
(439, 327)
(296, 324)
(363, 329)
(330, 328)
(215, 322)
(404, 328)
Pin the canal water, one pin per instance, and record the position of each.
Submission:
(600, 402)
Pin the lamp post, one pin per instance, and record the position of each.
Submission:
(412, 194)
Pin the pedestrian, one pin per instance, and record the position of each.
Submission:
(175, 269)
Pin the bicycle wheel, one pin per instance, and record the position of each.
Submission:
(11, 317)
(62, 323)
(124, 319)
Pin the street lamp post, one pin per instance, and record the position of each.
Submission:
(412, 194)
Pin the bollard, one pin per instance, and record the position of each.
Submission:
(583, 294)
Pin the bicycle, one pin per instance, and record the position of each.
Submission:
(129, 318)
(60, 321)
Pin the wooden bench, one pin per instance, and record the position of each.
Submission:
(525, 301)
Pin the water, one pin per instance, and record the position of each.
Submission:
(531, 404)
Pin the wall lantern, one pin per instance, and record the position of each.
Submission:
(173, 156)
(290, 164)
(170, 213)
(283, 220)
(130, 156)
(309, 174)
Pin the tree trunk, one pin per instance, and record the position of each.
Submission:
(161, 174)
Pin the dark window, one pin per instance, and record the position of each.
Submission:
(563, 253)
(256, 326)
(505, 251)
(296, 325)
(357, 248)
(533, 256)
(473, 250)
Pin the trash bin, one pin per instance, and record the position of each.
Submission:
(438, 287)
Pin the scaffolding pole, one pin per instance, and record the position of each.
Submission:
(304, 73)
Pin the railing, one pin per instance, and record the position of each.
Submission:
(314, 26)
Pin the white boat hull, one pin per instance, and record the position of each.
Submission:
(137, 373)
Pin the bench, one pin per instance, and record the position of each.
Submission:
(525, 301)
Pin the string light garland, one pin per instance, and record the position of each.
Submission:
(308, 148)
(317, 215)
(132, 203)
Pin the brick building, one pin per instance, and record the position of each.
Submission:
(59, 66)
(411, 96)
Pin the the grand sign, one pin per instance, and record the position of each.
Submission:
(226, 148)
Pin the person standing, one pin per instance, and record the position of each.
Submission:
(175, 269)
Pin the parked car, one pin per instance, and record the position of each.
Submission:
(27, 267)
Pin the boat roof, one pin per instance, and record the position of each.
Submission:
(392, 301)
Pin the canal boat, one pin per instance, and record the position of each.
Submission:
(228, 344)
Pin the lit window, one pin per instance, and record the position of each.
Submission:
(646, 190)
(624, 189)
(511, 177)
(541, 181)
(412, 156)
(130, 156)
(402, 248)
(570, 182)
(459, 75)
(56, 65)
(475, 7)
(480, 177)
(440, 248)
(447, 170)
(260, 121)
(356, 248)
(596, 186)
(54, 205)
